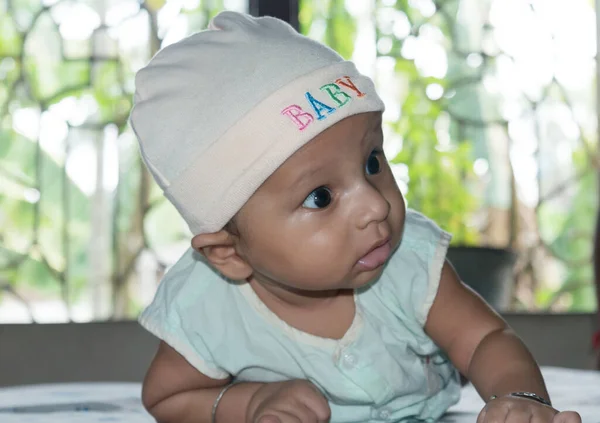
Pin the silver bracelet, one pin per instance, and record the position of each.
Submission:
(213, 417)
(526, 395)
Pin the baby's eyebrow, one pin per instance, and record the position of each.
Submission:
(374, 128)
(378, 121)
(305, 173)
(311, 168)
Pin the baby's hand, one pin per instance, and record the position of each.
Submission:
(520, 410)
(292, 401)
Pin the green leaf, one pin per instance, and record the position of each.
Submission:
(11, 42)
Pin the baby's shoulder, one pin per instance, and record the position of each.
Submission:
(189, 312)
(421, 232)
(190, 289)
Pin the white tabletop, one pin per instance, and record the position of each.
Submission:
(120, 402)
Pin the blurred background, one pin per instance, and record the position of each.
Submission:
(491, 129)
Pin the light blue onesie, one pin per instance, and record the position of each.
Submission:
(384, 369)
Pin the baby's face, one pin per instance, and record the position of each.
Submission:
(330, 216)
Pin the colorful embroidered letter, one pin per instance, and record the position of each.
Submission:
(335, 92)
(319, 107)
(301, 118)
(349, 84)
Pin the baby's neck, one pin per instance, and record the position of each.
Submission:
(327, 314)
(281, 296)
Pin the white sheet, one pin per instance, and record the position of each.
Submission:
(120, 402)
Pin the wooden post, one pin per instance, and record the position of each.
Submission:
(286, 10)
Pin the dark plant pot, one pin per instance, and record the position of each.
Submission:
(489, 271)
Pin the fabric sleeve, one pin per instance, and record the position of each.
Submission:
(415, 268)
(177, 316)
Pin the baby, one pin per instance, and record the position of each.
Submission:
(310, 293)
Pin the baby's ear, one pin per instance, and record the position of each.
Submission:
(219, 249)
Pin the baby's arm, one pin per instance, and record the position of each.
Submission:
(479, 342)
(176, 392)
(483, 347)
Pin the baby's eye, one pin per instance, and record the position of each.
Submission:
(373, 166)
(318, 199)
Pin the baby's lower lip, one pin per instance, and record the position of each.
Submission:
(376, 257)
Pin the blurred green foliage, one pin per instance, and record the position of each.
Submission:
(441, 181)
(45, 216)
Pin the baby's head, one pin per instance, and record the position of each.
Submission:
(269, 145)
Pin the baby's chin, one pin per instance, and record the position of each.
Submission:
(364, 279)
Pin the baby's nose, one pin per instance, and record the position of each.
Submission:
(372, 206)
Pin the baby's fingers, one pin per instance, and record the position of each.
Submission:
(318, 405)
(567, 417)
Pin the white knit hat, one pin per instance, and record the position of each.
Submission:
(218, 112)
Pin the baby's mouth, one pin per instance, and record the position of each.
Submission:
(377, 256)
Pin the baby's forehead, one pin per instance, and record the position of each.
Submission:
(347, 138)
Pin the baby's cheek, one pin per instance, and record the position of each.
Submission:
(323, 252)
(397, 211)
